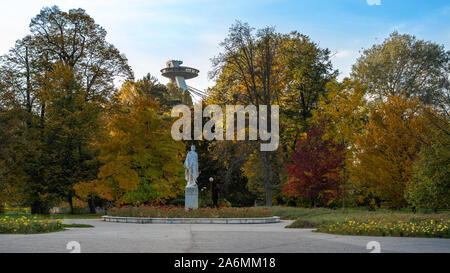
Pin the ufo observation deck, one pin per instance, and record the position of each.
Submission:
(179, 74)
(183, 71)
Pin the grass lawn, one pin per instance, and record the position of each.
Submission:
(381, 222)
(314, 217)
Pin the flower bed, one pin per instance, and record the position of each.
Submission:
(429, 228)
(180, 212)
(25, 225)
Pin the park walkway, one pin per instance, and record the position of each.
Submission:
(264, 238)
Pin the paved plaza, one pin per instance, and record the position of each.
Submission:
(209, 238)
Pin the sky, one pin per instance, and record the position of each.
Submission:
(151, 32)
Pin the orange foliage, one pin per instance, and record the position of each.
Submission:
(385, 152)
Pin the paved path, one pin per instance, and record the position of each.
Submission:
(122, 237)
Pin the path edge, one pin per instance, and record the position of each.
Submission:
(142, 220)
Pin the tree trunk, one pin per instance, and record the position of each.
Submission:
(70, 204)
(266, 163)
(214, 194)
(91, 204)
(37, 208)
(344, 177)
(343, 189)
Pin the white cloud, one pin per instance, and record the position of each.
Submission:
(343, 61)
(374, 2)
(343, 54)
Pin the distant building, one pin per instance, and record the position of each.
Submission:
(179, 74)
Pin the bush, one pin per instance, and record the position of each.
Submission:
(431, 228)
(26, 225)
(176, 202)
(180, 212)
(430, 188)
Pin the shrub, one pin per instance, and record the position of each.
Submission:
(428, 228)
(26, 225)
(430, 188)
(180, 212)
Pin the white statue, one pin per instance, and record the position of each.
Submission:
(191, 166)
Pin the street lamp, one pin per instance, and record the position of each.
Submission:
(213, 192)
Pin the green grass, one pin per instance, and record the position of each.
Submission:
(381, 222)
(77, 226)
(316, 217)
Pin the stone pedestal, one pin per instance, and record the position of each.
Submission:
(191, 198)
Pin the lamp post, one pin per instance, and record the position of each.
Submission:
(213, 192)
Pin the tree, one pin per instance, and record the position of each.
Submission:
(23, 163)
(265, 68)
(20, 73)
(149, 87)
(386, 151)
(74, 38)
(404, 65)
(314, 172)
(53, 84)
(249, 65)
(142, 163)
(343, 110)
(430, 187)
(307, 69)
(72, 125)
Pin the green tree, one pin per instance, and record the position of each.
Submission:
(72, 124)
(430, 187)
(404, 65)
(47, 108)
(307, 70)
(22, 170)
(74, 38)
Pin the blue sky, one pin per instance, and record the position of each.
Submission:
(152, 32)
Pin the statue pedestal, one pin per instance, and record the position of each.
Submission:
(191, 198)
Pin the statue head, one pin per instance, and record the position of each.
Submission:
(193, 148)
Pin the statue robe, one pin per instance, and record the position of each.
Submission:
(191, 169)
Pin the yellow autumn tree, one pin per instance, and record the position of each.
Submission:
(142, 163)
(393, 137)
(342, 111)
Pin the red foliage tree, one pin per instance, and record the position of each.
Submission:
(314, 172)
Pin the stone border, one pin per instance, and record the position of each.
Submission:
(142, 220)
